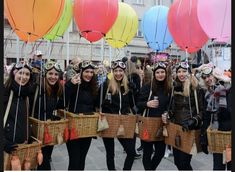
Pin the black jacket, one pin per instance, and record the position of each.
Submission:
(143, 99)
(21, 119)
(113, 106)
(47, 105)
(85, 99)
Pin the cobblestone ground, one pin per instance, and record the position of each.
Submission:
(96, 159)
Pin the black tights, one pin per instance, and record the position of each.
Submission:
(129, 147)
(182, 160)
(149, 162)
(218, 162)
(46, 151)
(77, 150)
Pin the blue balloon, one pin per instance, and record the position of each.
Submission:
(155, 28)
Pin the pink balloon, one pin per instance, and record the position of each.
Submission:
(215, 18)
(94, 18)
(184, 25)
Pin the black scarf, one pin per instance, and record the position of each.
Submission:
(24, 90)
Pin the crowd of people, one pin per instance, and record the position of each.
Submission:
(193, 98)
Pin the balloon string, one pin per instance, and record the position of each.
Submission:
(212, 49)
(91, 51)
(224, 20)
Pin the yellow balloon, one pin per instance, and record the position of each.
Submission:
(124, 28)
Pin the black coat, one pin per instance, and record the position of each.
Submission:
(85, 99)
(143, 99)
(47, 105)
(113, 106)
(21, 119)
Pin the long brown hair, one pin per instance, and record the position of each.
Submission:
(167, 82)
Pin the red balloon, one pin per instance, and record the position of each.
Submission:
(184, 25)
(94, 18)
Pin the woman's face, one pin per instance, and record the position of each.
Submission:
(209, 80)
(118, 73)
(52, 76)
(22, 76)
(160, 74)
(182, 74)
(87, 75)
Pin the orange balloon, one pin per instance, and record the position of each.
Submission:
(31, 20)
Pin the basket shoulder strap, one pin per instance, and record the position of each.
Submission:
(172, 92)
(34, 101)
(196, 101)
(8, 108)
(147, 109)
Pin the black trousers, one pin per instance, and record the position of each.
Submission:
(182, 160)
(151, 162)
(129, 147)
(218, 162)
(46, 151)
(77, 150)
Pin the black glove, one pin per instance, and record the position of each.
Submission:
(189, 124)
(55, 118)
(10, 147)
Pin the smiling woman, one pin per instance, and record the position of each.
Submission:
(18, 83)
(45, 102)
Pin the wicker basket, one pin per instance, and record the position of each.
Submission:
(152, 125)
(24, 151)
(114, 121)
(83, 125)
(218, 140)
(187, 138)
(54, 129)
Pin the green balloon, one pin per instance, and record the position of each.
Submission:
(63, 23)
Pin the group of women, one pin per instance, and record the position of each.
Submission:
(162, 97)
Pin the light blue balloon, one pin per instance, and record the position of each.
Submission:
(155, 28)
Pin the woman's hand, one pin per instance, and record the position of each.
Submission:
(76, 79)
(153, 103)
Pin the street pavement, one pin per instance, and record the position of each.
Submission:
(96, 159)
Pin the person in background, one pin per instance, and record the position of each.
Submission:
(49, 95)
(117, 100)
(134, 85)
(73, 68)
(183, 109)
(81, 101)
(160, 87)
(218, 105)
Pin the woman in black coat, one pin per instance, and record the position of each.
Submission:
(84, 102)
(118, 100)
(18, 83)
(51, 91)
(160, 88)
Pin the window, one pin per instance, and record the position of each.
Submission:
(139, 31)
(138, 2)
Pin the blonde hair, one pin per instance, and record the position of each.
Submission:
(191, 81)
(114, 86)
